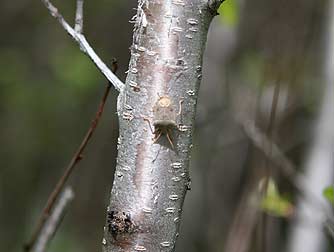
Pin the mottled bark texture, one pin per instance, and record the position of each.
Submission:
(152, 178)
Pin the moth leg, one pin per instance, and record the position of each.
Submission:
(169, 137)
(157, 136)
(149, 123)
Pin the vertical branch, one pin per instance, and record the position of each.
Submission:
(151, 177)
(78, 27)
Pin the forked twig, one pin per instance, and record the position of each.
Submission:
(74, 161)
(77, 35)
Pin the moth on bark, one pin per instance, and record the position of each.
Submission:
(164, 118)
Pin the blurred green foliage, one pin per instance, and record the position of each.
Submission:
(253, 65)
(74, 70)
(328, 193)
(229, 12)
(62, 243)
(49, 92)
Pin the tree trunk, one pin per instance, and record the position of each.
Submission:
(152, 177)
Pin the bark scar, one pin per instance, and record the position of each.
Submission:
(120, 225)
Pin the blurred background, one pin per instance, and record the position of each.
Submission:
(267, 62)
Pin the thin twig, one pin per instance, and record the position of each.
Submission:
(78, 27)
(70, 168)
(270, 149)
(54, 221)
(264, 219)
(85, 46)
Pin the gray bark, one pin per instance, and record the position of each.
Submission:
(151, 179)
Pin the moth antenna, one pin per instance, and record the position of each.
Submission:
(149, 123)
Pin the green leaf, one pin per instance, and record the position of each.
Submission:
(328, 193)
(229, 13)
(275, 204)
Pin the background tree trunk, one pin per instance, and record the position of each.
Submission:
(307, 232)
(151, 179)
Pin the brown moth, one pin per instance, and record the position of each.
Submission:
(164, 119)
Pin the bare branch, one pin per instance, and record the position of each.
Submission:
(85, 46)
(79, 17)
(55, 219)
